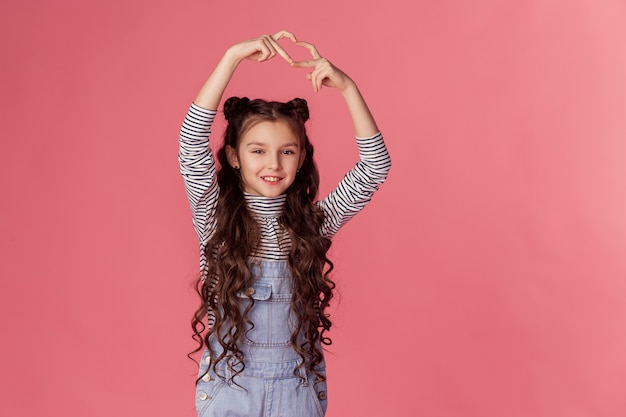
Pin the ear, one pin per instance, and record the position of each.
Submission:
(231, 154)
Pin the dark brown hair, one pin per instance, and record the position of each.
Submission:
(238, 234)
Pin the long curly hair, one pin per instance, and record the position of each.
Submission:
(237, 235)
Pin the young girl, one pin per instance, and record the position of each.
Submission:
(265, 281)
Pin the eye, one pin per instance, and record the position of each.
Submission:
(257, 151)
(289, 152)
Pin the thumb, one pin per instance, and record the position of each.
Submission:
(303, 64)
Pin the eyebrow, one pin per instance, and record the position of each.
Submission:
(296, 144)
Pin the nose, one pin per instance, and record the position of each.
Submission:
(274, 161)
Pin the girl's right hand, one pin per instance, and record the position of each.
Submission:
(263, 48)
(260, 49)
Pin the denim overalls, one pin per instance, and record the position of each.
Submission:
(268, 386)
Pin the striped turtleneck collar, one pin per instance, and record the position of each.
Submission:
(265, 206)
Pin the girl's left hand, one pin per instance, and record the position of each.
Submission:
(324, 72)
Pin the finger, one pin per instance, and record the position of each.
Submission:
(279, 49)
(309, 77)
(304, 64)
(270, 46)
(284, 34)
(267, 49)
(316, 78)
(325, 75)
(311, 48)
(263, 53)
(313, 83)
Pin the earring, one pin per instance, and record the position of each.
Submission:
(236, 166)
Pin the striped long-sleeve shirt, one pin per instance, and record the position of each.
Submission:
(197, 166)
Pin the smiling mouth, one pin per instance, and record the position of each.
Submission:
(271, 179)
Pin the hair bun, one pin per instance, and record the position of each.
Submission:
(234, 106)
(301, 108)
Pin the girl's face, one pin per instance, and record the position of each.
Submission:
(268, 157)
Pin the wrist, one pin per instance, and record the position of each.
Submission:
(349, 88)
(231, 57)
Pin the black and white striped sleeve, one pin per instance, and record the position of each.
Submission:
(197, 167)
(356, 188)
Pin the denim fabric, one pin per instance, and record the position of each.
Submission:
(273, 384)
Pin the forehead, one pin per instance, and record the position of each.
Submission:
(270, 133)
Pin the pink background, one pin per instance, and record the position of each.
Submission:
(487, 278)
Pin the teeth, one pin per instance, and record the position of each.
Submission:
(271, 179)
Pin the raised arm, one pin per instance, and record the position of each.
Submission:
(197, 165)
(325, 73)
(357, 187)
(259, 49)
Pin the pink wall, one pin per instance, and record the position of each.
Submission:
(486, 279)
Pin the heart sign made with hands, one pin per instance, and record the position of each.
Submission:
(324, 73)
(266, 47)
